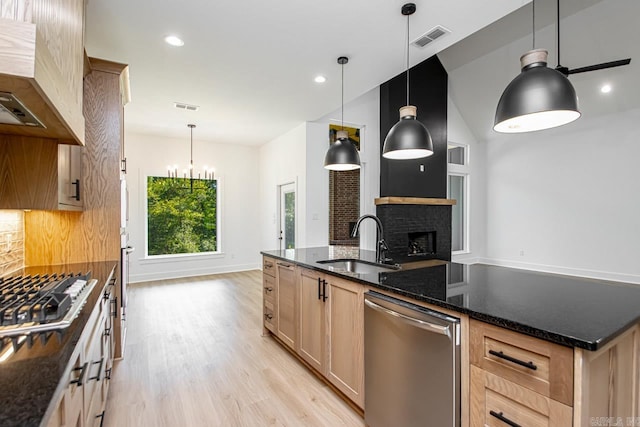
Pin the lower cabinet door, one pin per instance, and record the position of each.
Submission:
(345, 324)
(312, 319)
(498, 402)
(287, 304)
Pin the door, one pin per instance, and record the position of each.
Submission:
(287, 235)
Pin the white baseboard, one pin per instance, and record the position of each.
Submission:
(591, 274)
(177, 274)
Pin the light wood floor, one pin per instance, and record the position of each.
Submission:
(195, 356)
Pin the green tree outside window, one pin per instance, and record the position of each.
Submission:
(181, 215)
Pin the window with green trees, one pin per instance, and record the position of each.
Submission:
(181, 215)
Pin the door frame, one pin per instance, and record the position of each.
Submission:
(280, 188)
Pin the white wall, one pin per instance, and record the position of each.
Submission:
(459, 132)
(568, 200)
(362, 112)
(237, 168)
(282, 161)
(562, 200)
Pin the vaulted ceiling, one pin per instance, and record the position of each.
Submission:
(592, 32)
(250, 65)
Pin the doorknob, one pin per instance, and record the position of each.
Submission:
(280, 238)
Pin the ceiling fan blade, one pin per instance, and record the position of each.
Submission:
(602, 66)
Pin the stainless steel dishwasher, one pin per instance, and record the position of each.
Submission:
(412, 365)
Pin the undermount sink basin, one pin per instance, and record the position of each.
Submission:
(356, 266)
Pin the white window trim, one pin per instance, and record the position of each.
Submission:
(464, 171)
(152, 259)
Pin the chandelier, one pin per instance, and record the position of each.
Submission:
(207, 173)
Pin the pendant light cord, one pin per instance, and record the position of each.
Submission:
(408, 59)
(534, 24)
(558, 28)
(342, 107)
(191, 159)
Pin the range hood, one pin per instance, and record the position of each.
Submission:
(13, 112)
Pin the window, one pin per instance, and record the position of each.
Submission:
(458, 189)
(182, 216)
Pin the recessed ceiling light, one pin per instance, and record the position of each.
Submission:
(320, 79)
(605, 88)
(174, 41)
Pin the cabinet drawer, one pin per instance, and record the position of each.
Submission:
(269, 288)
(538, 365)
(269, 266)
(498, 402)
(269, 317)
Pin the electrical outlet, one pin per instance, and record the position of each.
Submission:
(421, 168)
(521, 252)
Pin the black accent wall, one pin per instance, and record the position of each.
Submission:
(428, 92)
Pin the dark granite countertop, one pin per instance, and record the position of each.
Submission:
(29, 378)
(568, 310)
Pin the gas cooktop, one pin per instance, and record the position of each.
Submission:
(41, 303)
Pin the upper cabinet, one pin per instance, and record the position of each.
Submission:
(39, 174)
(41, 69)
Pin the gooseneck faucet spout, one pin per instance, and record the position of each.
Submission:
(381, 245)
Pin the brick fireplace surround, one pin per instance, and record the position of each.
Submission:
(416, 228)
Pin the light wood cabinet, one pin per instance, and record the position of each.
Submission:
(533, 382)
(85, 384)
(39, 174)
(498, 402)
(328, 316)
(269, 292)
(70, 176)
(519, 379)
(286, 303)
(42, 64)
(506, 377)
(345, 347)
(312, 318)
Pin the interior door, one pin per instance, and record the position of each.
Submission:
(287, 234)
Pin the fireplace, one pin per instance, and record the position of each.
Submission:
(421, 243)
(416, 228)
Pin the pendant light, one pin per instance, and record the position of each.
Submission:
(342, 155)
(409, 138)
(539, 97)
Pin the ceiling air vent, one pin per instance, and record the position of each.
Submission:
(183, 106)
(431, 35)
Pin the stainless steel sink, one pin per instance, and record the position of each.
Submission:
(356, 266)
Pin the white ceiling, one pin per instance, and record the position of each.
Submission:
(250, 65)
(592, 32)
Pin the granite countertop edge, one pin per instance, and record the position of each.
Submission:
(557, 338)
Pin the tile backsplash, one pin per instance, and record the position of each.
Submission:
(11, 241)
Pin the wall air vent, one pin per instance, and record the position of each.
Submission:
(431, 35)
(188, 107)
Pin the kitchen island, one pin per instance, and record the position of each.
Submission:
(567, 310)
(572, 343)
(34, 378)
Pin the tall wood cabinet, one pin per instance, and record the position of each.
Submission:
(93, 235)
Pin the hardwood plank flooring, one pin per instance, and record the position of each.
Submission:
(195, 356)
